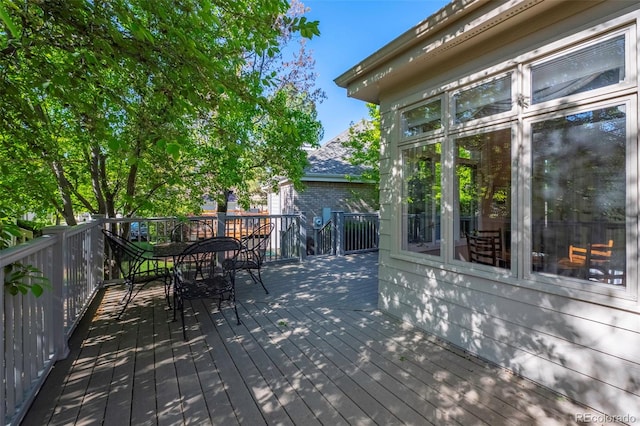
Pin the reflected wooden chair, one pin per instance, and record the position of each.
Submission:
(482, 250)
(582, 261)
(495, 234)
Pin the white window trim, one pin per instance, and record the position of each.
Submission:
(520, 67)
(483, 121)
(399, 242)
(607, 92)
(576, 287)
(452, 220)
(431, 134)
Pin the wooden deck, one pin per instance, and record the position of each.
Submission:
(313, 351)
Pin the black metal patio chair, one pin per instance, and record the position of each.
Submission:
(192, 230)
(137, 266)
(205, 270)
(253, 253)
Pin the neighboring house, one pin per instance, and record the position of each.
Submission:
(331, 183)
(514, 124)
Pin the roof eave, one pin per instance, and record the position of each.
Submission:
(451, 31)
(446, 16)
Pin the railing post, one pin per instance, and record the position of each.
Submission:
(222, 224)
(339, 233)
(95, 260)
(303, 236)
(59, 289)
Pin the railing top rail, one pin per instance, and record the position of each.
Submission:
(202, 217)
(16, 253)
(70, 231)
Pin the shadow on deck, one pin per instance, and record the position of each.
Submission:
(313, 351)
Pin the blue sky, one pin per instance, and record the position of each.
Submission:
(351, 30)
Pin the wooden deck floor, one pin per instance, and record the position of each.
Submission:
(313, 351)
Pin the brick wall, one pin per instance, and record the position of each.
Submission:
(345, 196)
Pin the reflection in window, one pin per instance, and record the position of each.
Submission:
(493, 97)
(578, 195)
(483, 205)
(425, 118)
(422, 196)
(587, 69)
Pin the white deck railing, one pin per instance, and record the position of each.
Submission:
(346, 233)
(36, 330)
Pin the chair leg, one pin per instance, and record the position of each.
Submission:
(167, 289)
(258, 279)
(128, 296)
(235, 306)
(184, 327)
(175, 305)
(261, 282)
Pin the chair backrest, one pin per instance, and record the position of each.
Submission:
(192, 230)
(258, 241)
(598, 253)
(128, 256)
(577, 255)
(482, 250)
(209, 256)
(496, 234)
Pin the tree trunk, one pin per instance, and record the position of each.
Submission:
(65, 193)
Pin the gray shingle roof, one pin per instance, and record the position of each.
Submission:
(331, 159)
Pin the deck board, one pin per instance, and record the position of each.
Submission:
(315, 350)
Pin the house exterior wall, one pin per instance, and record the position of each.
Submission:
(581, 342)
(288, 199)
(338, 196)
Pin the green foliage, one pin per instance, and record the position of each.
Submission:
(144, 108)
(8, 230)
(364, 139)
(19, 278)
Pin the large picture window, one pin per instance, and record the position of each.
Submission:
(578, 195)
(543, 193)
(422, 199)
(483, 207)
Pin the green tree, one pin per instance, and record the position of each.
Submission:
(364, 140)
(143, 107)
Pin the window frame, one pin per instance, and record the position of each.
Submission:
(632, 202)
(453, 220)
(519, 67)
(483, 121)
(578, 98)
(400, 222)
(428, 134)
